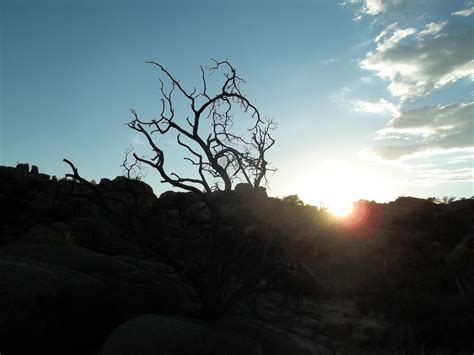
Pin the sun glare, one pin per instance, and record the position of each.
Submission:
(335, 185)
(341, 208)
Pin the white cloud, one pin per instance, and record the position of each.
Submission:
(373, 7)
(427, 130)
(432, 28)
(415, 63)
(381, 106)
(376, 7)
(466, 12)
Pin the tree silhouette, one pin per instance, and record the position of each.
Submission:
(208, 135)
(132, 170)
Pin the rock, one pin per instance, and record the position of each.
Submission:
(413, 203)
(262, 191)
(142, 264)
(52, 234)
(145, 291)
(243, 188)
(75, 258)
(48, 309)
(156, 334)
(24, 167)
(178, 200)
(198, 213)
(135, 186)
(105, 183)
(463, 254)
(43, 176)
(34, 169)
(273, 340)
(411, 213)
(92, 232)
(246, 189)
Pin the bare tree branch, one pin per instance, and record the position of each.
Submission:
(224, 155)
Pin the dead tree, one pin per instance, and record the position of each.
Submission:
(134, 169)
(208, 135)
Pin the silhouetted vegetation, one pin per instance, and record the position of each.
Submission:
(220, 153)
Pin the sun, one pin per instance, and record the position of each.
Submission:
(340, 208)
(335, 185)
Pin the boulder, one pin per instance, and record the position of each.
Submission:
(411, 213)
(178, 200)
(132, 185)
(463, 254)
(34, 169)
(44, 176)
(52, 234)
(157, 334)
(75, 258)
(49, 309)
(245, 188)
(104, 183)
(24, 167)
(198, 213)
(147, 290)
(92, 232)
(15, 175)
(273, 340)
(142, 264)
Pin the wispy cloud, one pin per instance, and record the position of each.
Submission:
(416, 62)
(427, 130)
(380, 106)
(377, 7)
(468, 11)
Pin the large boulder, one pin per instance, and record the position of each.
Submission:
(247, 189)
(23, 166)
(51, 234)
(155, 334)
(47, 309)
(92, 232)
(273, 340)
(411, 213)
(463, 254)
(198, 213)
(75, 258)
(121, 183)
(179, 200)
(152, 288)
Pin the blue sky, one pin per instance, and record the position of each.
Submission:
(373, 98)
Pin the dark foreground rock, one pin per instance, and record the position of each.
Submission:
(160, 335)
(75, 258)
(273, 340)
(47, 309)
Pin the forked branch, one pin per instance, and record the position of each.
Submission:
(220, 154)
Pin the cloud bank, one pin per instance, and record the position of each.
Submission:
(417, 62)
(420, 47)
(427, 129)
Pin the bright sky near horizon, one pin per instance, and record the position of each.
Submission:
(373, 98)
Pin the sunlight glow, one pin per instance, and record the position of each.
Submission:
(341, 208)
(335, 185)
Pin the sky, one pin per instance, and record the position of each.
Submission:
(374, 99)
